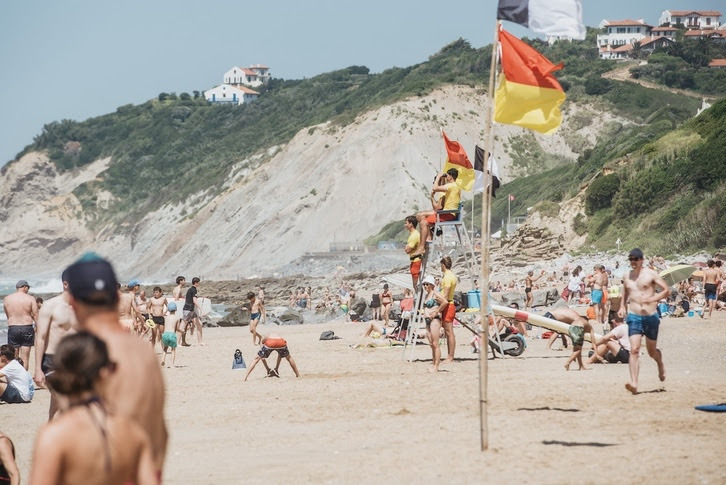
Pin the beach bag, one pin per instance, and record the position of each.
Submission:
(565, 293)
(238, 362)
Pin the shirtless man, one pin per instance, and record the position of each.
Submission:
(412, 246)
(157, 307)
(143, 315)
(255, 312)
(710, 286)
(127, 308)
(261, 298)
(639, 303)
(599, 282)
(55, 320)
(92, 285)
(578, 327)
(21, 310)
(528, 282)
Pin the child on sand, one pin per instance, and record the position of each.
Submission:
(255, 314)
(172, 329)
(269, 343)
(86, 443)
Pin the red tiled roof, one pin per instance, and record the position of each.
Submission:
(249, 72)
(649, 40)
(244, 89)
(702, 13)
(624, 48)
(626, 22)
(717, 63)
(703, 33)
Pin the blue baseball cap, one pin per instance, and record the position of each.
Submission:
(133, 283)
(171, 306)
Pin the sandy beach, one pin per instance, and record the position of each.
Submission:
(367, 416)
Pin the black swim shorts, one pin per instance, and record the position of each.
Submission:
(21, 336)
(47, 364)
(265, 351)
(623, 356)
(158, 320)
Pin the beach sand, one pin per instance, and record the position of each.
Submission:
(367, 416)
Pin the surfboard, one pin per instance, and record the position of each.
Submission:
(537, 320)
(712, 408)
(205, 305)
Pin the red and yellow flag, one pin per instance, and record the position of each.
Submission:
(528, 94)
(458, 159)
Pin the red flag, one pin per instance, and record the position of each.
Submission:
(456, 153)
(511, 197)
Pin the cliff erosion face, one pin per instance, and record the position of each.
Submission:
(328, 183)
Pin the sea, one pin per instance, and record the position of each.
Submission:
(56, 286)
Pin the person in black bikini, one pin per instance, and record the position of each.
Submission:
(528, 281)
(8, 468)
(434, 305)
(86, 443)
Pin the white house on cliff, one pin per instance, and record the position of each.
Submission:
(236, 85)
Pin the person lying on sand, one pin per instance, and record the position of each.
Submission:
(269, 343)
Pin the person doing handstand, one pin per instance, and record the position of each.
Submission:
(578, 327)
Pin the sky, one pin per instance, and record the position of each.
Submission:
(77, 59)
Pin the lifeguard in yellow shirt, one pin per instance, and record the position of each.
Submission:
(452, 198)
(412, 246)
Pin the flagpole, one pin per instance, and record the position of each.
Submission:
(486, 238)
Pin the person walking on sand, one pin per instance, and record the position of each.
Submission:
(386, 303)
(710, 287)
(448, 287)
(9, 471)
(412, 246)
(599, 282)
(55, 321)
(127, 309)
(573, 286)
(171, 328)
(528, 282)
(640, 304)
(434, 308)
(157, 308)
(136, 388)
(21, 310)
(191, 310)
(88, 443)
(270, 343)
(579, 326)
(255, 312)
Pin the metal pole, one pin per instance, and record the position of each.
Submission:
(486, 238)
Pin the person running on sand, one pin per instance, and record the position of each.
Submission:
(412, 246)
(191, 310)
(434, 306)
(172, 328)
(269, 343)
(9, 471)
(448, 287)
(578, 327)
(528, 281)
(710, 287)
(452, 194)
(640, 303)
(16, 384)
(599, 283)
(55, 320)
(614, 346)
(21, 310)
(157, 307)
(136, 389)
(127, 308)
(386, 303)
(87, 443)
(255, 313)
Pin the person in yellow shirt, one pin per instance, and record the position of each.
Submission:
(452, 198)
(448, 287)
(412, 246)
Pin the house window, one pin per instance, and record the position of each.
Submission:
(708, 20)
(621, 30)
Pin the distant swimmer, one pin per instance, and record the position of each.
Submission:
(21, 310)
(255, 313)
(412, 247)
(270, 343)
(136, 388)
(89, 443)
(579, 326)
(640, 302)
(55, 321)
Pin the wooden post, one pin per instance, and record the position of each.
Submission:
(485, 266)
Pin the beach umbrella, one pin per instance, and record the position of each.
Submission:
(676, 274)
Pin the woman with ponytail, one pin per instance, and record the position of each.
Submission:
(86, 442)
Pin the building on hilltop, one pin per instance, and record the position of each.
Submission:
(668, 32)
(691, 19)
(255, 75)
(230, 94)
(619, 34)
(718, 35)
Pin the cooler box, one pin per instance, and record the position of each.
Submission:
(474, 297)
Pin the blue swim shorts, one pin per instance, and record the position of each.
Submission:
(596, 296)
(255, 316)
(643, 325)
